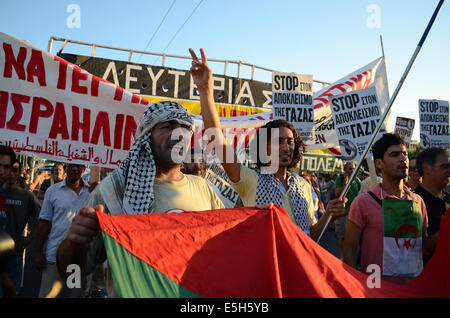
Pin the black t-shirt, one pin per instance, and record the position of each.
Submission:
(47, 183)
(21, 207)
(435, 209)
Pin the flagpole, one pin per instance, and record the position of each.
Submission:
(382, 46)
(385, 65)
(386, 112)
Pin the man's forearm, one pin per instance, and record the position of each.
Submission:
(209, 112)
(349, 253)
(349, 257)
(42, 231)
(70, 253)
(317, 228)
(429, 242)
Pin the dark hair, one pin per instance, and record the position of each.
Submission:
(348, 163)
(380, 147)
(20, 164)
(299, 145)
(5, 150)
(58, 164)
(428, 156)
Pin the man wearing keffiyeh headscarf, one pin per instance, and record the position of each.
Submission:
(149, 180)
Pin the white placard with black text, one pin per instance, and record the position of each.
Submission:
(434, 123)
(356, 115)
(292, 100)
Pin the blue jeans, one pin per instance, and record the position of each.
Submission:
(15, 269)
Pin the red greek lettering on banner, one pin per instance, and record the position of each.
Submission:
(35, 67)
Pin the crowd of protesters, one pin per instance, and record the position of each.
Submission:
(150, 180)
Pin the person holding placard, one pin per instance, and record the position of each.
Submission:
(271, 183)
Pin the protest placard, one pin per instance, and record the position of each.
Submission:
(217, 176)
(292, 100)
(404, 127)
(371, 75)
(434, 123)
(356, 115)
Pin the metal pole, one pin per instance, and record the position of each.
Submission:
(50, 45)
(382, 46)
(388, 108)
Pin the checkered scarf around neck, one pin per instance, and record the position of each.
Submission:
(268, 191)
(139, 169)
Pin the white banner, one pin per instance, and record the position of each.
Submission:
(404, 127)
(56, 110)
(434, 123)
(356, 116)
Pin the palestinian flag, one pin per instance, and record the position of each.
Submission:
(243, 252)
(402, 244)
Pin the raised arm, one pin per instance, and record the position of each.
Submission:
(202, 75)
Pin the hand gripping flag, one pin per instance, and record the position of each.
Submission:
(244, 252)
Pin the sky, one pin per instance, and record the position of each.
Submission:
(326, 38)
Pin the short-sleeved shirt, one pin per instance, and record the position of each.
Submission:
(247, 185)
(21, 208)
(61, 204)
(352, 191)
(367, 215)
(47, 183)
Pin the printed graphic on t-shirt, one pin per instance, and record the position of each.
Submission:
(175, 211)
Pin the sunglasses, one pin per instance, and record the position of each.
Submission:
(412, 168)
(5, 166)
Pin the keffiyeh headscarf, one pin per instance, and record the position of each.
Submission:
(268, 191)
(138, 169)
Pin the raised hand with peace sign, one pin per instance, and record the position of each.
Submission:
(201, 72)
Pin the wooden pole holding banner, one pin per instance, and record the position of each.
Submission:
(372, 170)
(386, 112)
(94, 174)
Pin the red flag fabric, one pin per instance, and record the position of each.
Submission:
(250, 252)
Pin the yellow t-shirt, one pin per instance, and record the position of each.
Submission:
(192, 193)
(248, 183)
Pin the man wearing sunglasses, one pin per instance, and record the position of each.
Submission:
(414, 178)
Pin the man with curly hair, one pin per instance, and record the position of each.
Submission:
(278, 148)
